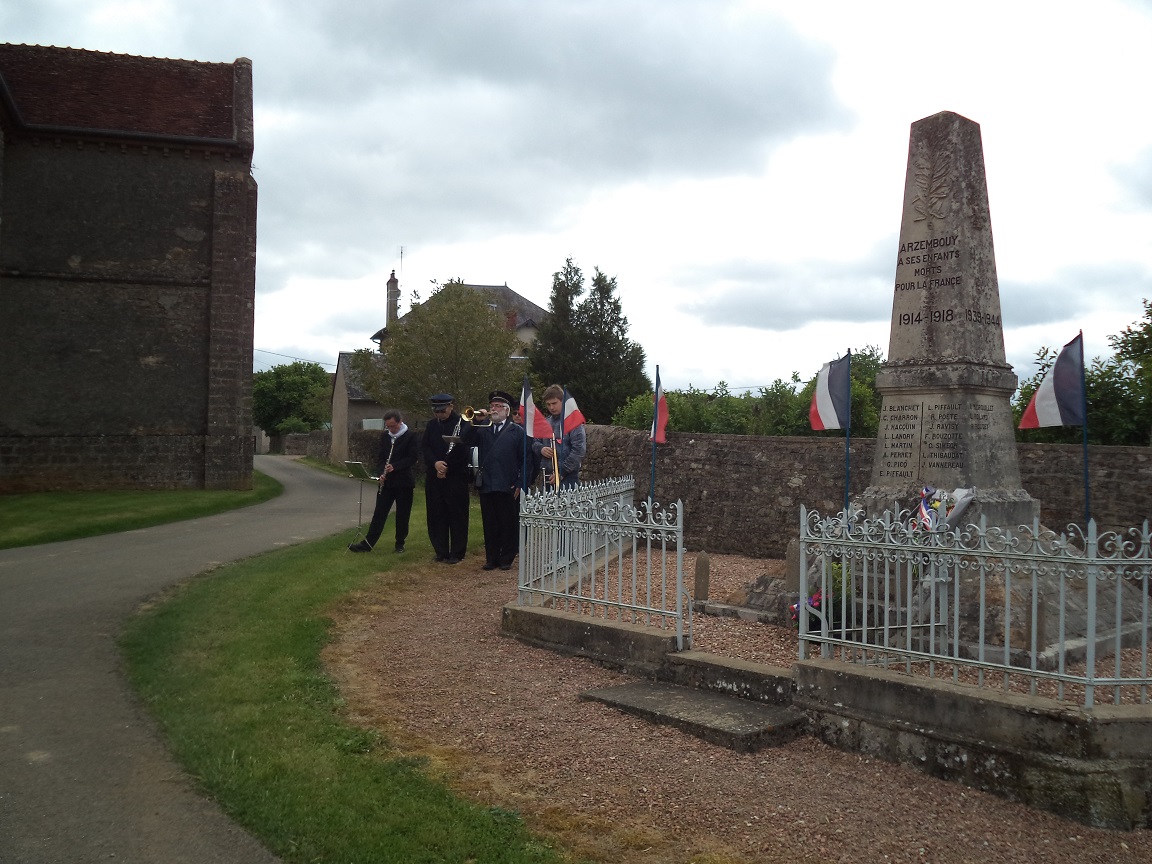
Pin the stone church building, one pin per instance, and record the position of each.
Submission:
(127, 271)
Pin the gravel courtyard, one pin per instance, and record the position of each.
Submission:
(419, 657)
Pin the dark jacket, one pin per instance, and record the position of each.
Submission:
(501, 456)
(436, 449)
(404, 457)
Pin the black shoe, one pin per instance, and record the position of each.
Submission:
(399, 547)
(505, 566)
(362, 546)
(451, 560)
(440, 558)
(488, 567)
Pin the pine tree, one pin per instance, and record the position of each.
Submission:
(584, 345)
(613, 370)
(555, 356)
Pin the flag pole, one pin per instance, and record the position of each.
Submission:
(655, 419)
(524, 392)
(1084, 409)
(848, 437)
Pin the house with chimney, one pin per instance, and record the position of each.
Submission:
(127, 271)
(357, 417)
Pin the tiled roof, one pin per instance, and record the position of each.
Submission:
(68, 88)
(528, 314)
(351, 379)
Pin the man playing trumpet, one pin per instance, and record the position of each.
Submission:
(500, 442)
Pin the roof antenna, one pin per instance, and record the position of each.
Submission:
(401, 260)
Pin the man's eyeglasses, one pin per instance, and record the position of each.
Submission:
(441, 409)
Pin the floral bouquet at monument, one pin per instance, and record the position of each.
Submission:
(940, 510)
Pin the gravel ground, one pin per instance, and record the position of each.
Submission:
(419, 657)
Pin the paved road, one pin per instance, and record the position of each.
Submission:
(83, 776)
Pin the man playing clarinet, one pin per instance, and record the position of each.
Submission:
(398, 454)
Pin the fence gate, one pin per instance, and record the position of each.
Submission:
(590, 551)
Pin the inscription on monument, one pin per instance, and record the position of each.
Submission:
(899, 440)
(925, 438)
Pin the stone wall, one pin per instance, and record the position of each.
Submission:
(742, 494)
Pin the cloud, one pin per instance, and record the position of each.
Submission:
(1075, 292)
(1136, 178)
(448, 122)
(782, 297)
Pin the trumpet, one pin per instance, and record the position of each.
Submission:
(470, 414)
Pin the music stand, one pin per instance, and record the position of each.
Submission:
(358, 471)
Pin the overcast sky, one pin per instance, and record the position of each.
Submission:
(737, 166)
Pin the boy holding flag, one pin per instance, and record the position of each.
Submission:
(568, 444)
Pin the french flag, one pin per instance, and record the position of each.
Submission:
(535, 423)
(659, 413)
(1059, 400)
(832, 399)
(571, 414)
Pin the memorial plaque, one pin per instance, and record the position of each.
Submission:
(946, 417)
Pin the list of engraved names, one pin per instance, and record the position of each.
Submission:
(924, 439)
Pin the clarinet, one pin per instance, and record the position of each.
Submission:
(455, 434)
(387, 462)
(452, 443)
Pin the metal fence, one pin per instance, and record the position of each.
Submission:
(1025, 610)
(589, 550)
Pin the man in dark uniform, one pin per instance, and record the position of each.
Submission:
(394, 464)
(501, 448)
(446, 488)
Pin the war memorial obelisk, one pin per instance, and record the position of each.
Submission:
(946, 419)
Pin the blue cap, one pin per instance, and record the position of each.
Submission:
(442, 399)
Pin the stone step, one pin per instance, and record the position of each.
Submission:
(727, 721)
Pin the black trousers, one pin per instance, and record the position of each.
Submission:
(447, 505)
(386, 496)
(501, 514)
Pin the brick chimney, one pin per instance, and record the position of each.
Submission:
(510, 319)
(393, 300)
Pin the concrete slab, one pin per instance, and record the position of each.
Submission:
(727, 721)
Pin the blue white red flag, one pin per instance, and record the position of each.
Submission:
(570, 414)
(1059, 400)
(832, 399)
(659, 413)
(535, 423)
(926, 516)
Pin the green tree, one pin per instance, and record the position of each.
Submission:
(453, 342)
(554, 358)
(1133, 347)
(291, 397)
(779, 409)
(585, 346)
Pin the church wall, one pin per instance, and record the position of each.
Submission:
(127, 274)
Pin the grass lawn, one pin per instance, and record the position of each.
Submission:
(31, 518)
(229, 665)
